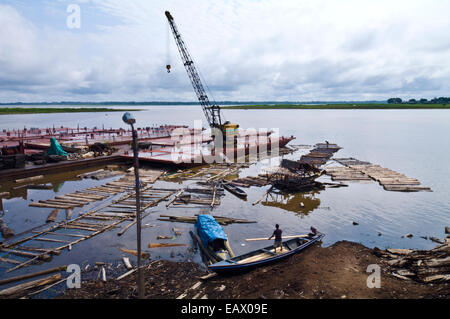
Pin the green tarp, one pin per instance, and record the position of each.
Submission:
(55, 148)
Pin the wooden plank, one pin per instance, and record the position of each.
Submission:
(284, 237)
(75, 200)
(64, 202)
(42, 205)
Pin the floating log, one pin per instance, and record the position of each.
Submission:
(87, 175)
(6, 231)
(75, 200)
(265, 194)
(19, 253)
(62, 202)
(164, 237)
(214, 197)
(40, 250)
(177, 195)
(28, 276)
(144, 255)
(131, 224)
(165, 245)
(52, 216)
(69, 212)
(22, 288)
(193, 219)
(10, 261)
(29, 179)
(86, 195)
(48, 205)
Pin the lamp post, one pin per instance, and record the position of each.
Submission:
(129, 119)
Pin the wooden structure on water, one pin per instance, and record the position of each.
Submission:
(355, 170)
(320, 155)
(20, 252)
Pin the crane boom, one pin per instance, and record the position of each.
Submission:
(212, 111)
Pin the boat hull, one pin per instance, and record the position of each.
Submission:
(229, 266)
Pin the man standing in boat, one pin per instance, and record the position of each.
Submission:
(278, 240)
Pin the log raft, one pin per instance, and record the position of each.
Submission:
(355, 170)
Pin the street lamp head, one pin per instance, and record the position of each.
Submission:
(128, 118)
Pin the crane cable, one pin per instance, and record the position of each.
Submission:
(168, 57)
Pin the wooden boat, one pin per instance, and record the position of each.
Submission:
(234, 190)
(266, 255)
(212, 239)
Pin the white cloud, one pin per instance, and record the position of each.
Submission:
(246, 50)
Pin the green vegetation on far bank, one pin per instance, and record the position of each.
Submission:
(38, 110)
(350, 106)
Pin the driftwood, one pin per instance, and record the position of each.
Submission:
(267, 192)
(428, 266)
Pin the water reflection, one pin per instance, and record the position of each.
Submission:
(299, 203)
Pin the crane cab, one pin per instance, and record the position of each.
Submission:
(230, 134)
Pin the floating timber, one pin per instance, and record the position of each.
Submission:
(66, 234)
(192, 219)
(320, 155)
(389, 179)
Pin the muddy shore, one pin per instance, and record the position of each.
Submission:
(335, 272)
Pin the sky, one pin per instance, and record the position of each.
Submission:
(246, 50)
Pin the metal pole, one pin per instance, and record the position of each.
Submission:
(138, 214)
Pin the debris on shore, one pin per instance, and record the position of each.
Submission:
(332, 272)
(424, 266)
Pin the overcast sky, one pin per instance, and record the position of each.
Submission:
(296, 50)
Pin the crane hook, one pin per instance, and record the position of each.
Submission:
(168, 67)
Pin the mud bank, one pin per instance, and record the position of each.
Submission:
(335, 272)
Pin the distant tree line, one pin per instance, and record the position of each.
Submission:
(436, 100)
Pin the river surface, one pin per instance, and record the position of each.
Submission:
(413, 142)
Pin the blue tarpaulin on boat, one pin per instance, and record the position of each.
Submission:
(55, 148)
(209, 229)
